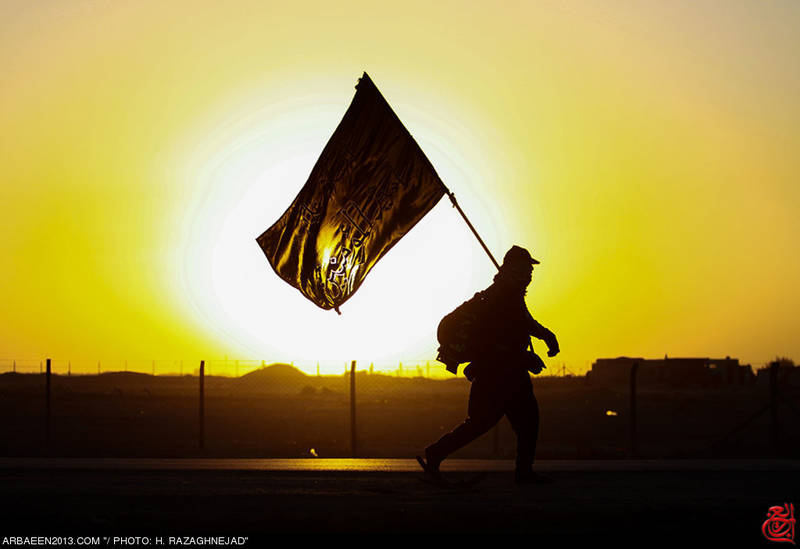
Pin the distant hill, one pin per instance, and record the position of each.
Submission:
(124, 375)
(277, 373)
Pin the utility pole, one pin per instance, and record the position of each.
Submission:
(353, 448)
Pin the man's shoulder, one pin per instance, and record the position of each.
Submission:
(492, 290)
(497, 303)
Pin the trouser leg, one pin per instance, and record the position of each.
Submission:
(523, 413)
(484, 410)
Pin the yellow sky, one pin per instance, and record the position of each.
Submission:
(646, 152)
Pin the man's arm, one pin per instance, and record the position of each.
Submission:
(540, 332)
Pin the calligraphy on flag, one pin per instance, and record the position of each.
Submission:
(370, 186)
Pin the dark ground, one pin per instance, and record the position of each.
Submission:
(141, 416)
(583, 507)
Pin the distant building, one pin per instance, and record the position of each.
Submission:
(675, 373)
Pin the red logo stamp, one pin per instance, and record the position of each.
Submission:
(779, 525)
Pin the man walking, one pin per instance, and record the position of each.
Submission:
(501, 384)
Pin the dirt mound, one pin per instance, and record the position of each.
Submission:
(275, 372)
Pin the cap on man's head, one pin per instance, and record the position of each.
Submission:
(518, 256)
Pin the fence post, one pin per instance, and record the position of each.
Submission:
(634, 434)
(773, 406)
(47, 408)
(353, 448)
(202, 403)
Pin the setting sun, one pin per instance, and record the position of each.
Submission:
(145, 146)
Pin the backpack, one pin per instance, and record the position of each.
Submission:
(458, 333)
(460, 338)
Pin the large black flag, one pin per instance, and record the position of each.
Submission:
(370, 186)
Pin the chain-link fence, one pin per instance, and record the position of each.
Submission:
(248, 408)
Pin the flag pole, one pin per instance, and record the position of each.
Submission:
(452, 198)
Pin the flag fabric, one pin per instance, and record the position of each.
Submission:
(370, 186)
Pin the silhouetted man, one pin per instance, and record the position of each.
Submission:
(501, 384)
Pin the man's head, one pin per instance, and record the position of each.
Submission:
(518, 265)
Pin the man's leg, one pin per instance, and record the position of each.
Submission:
(484, 410)
(523, 413)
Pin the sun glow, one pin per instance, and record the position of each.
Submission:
(248, 183)
(642, 152)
